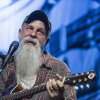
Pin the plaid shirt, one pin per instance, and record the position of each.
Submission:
(49, 68)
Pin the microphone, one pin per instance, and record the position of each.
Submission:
(13, 47)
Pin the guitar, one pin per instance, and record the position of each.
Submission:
(75, 79)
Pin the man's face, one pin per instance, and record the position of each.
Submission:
(35, 29)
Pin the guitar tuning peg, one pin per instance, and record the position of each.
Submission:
(88, 72)
(81, 86)
(85, 79)
(79, 80)
(74, 81)
(87, 85)
(76, 87)
(82, 73)
(76, 74)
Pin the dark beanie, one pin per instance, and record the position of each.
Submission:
(39, 15)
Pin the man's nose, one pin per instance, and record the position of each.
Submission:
(33, 34)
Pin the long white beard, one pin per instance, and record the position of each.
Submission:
(28, 61)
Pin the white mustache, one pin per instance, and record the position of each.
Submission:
(29, 39)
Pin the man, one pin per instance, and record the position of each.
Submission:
(33, 66)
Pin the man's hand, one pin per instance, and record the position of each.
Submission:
(55, 88)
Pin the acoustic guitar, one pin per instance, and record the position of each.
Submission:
(73, 80)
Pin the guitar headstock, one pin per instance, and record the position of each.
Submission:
(80, 79)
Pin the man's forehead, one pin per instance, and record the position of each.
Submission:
(37, 23)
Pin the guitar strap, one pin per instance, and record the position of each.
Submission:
(8, 90)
